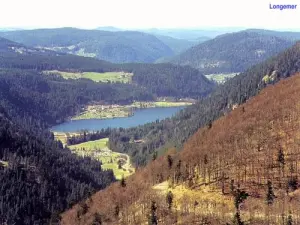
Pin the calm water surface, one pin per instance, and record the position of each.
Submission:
(140, 117)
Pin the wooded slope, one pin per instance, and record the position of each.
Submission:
(174, 131)
(118, 47)
(252, 152)
(234, 52)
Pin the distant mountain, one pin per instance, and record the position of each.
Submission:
(8, 47)
(109, 28)
(234, 52)
(118, 47)
(9, 29)
(190, 33)
(178, 45)
(289, 35)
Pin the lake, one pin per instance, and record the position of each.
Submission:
(140, 117)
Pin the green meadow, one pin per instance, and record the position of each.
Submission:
(118, 162)
(221, 78)
(97, 77)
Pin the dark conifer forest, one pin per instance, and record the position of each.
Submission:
(39, 178)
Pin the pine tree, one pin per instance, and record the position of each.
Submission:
(154, 156)
(237, 219)
(123, 182)
(153, 217)
(280, 157)
(116, 211)
(239, 197)
(119, 164)
(97, 219)
(209, 124)
(170, 161)
(270, 194)
(169, 199)
(289, 219)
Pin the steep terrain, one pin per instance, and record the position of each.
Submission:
(242, 167)
(39, 178)
(118, 47)
(175, 131)
(230, 53)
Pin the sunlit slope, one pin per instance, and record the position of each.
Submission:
(255, 144)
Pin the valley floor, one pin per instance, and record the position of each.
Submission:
(118, 162)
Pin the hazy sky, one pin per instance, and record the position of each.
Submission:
(147, 13)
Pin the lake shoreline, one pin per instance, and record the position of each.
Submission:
(101, 111)
(140, 117)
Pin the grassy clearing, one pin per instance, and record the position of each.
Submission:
(206, 196)
(222, 77)
(109, 76)
(61, 136)
(97, 77)
(3, 163)
(119, 163)
(114, 111)
(159, 104)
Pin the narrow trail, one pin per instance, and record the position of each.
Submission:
(127, 166)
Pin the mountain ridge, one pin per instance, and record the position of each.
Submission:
(231, 53)
(118, 47)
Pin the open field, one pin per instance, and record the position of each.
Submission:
(3, 163)
(159, 104)
(205, 195)
(61, 136)
(114, 111)
(97, 77)
(118, 162)
(222, 77)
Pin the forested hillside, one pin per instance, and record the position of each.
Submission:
(39, 179)
(154, 79)
(52, 99)
(118, 47)
(178, 45)
(240, 169)
(234, 52)
(170, 80)
(10, 48)
(288, 35)
(175, 131)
